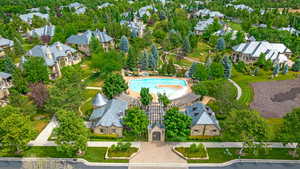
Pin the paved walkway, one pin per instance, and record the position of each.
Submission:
(239, 90)
(42, 138)
(156, 153)
(93, 88)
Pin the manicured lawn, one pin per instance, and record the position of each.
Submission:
(201, 52)
(187, 153)
(244, 81)
(40, 121)
(235, 26)
(93, 154)
(275, 126)
(218, 155)
(128, 153)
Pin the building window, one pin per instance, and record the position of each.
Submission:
(101, 130)
(214, 130)
(194, 108)
(196, 131)
(196, 114)
(113, 130)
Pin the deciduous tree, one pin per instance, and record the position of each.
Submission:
(114, 84)
(135, 122)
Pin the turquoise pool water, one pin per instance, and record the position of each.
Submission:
(156, 85)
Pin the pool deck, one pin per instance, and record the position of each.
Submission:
(155, 97)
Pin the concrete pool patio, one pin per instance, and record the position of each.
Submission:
(179, 90)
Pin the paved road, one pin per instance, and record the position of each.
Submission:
(17, 165)
(254, 166)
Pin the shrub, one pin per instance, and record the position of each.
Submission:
(121, 147)
(197, 148)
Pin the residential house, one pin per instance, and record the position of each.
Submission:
(251, 51)
(56, 56)
(241, 7)
(145, 11)
(105, 5)
(44, 33)
(5, 84)
(204, 121)
(207, 12)
(291, 30)
(107, 116)
(4, 45)
(28, 17)
(135, 26)
(78, 7)
(83, 40)
(202, 26)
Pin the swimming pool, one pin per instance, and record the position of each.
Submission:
(173, 88)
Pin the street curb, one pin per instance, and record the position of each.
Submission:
(75, 160)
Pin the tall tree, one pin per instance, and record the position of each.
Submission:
(220, 44)
(7, 65)
(95, 46)
(132, 59)
(107, 62)
(35, 70)
(201, 72)
(146, 97)
(290, 125)
(114, 84)
(144, 61)
(227, 67)
(245, 123)
(216, 70)
(296, 66)
(186, 45)
(177, 124)
(39, 94)
(163, 99)
(135, 122)
(20, 82)
(15, 129)
(154, 52)
(285, 69)
(71, 134)
(124, 44)
(276, 70)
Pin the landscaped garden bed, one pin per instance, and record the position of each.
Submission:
(194, 152)
(121, 151)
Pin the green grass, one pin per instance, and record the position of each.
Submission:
(187, 153)
(128, 153)
(93, 154)
(218, 155)
(235, 26)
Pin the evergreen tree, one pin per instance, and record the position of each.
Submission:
(7, 65)
(186, 45)
(276, 70)
(296, 66)
(154, 52)
(20, 82)
(152, 62)
(220, 44)
(146, 97)
(134, 33)
(18, 48)
(285, 69)
(208, 61)
(132, 58)
(144, 61)
(95, 46)
(227, 67)
(192, 69)
(124, 44)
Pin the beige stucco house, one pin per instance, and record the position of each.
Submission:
(107, 116)
(5, 84)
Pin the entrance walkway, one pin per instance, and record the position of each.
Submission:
(156, 154)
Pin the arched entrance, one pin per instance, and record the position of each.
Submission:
(156, 136)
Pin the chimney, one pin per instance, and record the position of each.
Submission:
(59, 47)
(48, 53)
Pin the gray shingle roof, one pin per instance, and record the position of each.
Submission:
(256, 48)
(201, 114)
(6, 42)
(145, 10)
(105, 5)
(241, 7)
(99, 100)
(207, 12)
(85, 38)
(4, 75)
(110, 114)
(28, 17)
(47, 30)
(202, 25)
(133, 25)
(51, 53)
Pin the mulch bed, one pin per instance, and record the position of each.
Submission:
(275, 99)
